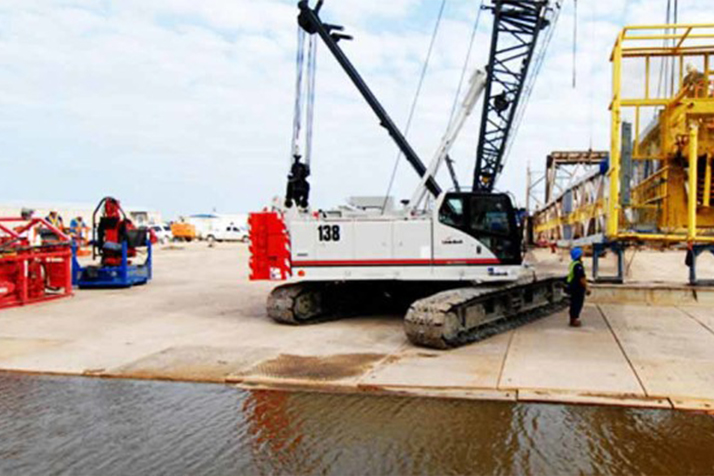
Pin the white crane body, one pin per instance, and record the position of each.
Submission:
(390, 247)
(453, 257)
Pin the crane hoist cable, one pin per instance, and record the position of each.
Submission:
(297, 113)
(674, 31)
(575, 42)
(424, 69)
(662, 81)
(298, 187)
(310, 89)
(457, 96)
(465, 67)
(304, 94)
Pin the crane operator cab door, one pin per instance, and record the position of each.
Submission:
(480, 227)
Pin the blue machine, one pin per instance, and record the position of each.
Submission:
(104, 277)
(115, 240)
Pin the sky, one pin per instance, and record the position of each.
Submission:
(186, 106)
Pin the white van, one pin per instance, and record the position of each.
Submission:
(163, 233)
(229, 232)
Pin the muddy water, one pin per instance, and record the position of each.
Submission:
(51, 425)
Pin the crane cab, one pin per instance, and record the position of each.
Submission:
(489, 219)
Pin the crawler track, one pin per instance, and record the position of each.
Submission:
(313, 302)
(459, 316)
(444, 319)
(297, 303)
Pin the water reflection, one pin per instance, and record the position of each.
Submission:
(311, 433)
(88, 426)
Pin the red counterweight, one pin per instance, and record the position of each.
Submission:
(269, 247)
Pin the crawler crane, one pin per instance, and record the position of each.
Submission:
(453, 257)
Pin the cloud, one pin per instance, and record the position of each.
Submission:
(185, 106)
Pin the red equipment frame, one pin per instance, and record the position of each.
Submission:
(31, 273)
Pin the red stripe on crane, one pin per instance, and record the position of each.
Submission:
(396, 262)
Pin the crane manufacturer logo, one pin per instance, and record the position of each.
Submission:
(452, 241)
(497, 272)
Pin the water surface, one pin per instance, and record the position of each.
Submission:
(82, 426)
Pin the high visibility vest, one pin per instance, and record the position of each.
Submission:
(571, 271)
(56, 222)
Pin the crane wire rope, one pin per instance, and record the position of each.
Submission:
(464, 69)
(666, 67)
(297, 113)
(310, 87)
(455, 104)
(674, 41)
(575, 42)
(591, 106)
(425, 67)
(662, 81)
(304, 94)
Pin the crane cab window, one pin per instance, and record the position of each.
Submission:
(452, 212)
(489, 218)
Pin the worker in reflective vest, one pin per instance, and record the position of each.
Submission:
(577, 286)
(55, 220)
(76, 229)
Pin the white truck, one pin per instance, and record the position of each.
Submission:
(227, 232)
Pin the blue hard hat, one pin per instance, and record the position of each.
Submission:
(576, 253)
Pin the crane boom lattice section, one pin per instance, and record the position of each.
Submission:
(516, 28)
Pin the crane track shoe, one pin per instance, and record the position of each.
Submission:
(314, 302)
(296, 303)
(460, 316)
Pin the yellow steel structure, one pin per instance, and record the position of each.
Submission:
(660, 74)
(668, 155)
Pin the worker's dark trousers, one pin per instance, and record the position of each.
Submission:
(576, 304)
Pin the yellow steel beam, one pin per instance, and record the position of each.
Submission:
(698, 36)
(663, 237)
(676, 26)
(593, 210)
(643, 52)
(647, 85)
(708, 180)
(684, 37)
(692, 201)
(613, 174)
(636, 148)
(644, 102)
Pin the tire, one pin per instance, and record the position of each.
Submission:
(211, 239)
